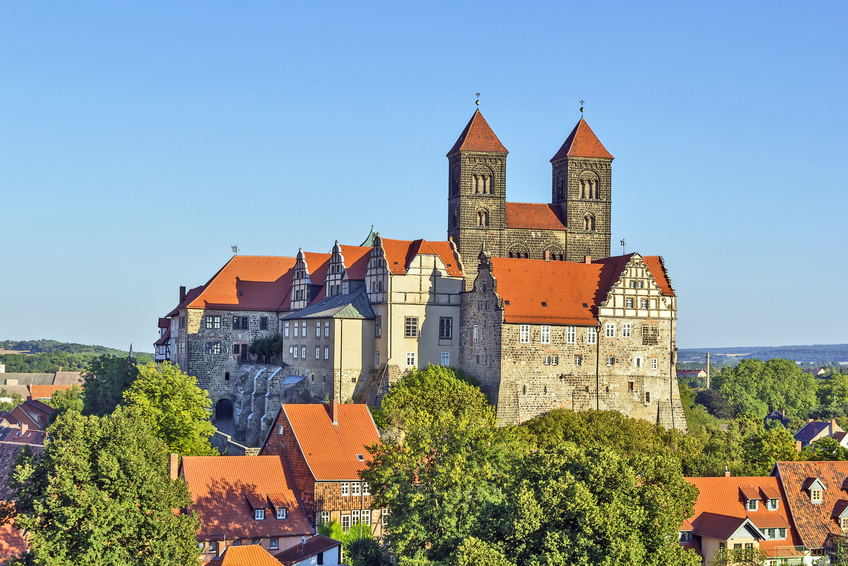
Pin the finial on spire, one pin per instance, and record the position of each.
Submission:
(478, 99)
(582, 102)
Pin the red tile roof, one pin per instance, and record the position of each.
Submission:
(721, 503)
(220, 487)
(478, 136)
(245, 555)
(332, 451)
(12, 543)
(248, 283)
(400, 253)
(313, 546)
(46, 391)
(531, 215)
(164, 338)
(815, 522)
(189, 297)
(356, 261)
(582, 142)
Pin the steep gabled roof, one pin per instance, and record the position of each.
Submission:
(221, 485)
(356, 261)
(353, 305)
(478, 136)
(248, 283)
(189, 297)
(400, 254)
(534, 216)
(333, 451)
(46, 391)
(246, 555)
(815, 521)
(582, 142)
(313, 546)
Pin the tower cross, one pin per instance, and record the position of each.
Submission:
(581, 107)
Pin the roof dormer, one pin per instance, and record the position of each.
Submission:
(751, 497)
(816, 488)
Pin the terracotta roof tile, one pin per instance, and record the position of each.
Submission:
(356, 261)
(220, 486)
(582, 142)
(332, 451)
(815, 521)
(313, 546)
(245, 555)
(248, 283)
(400, 254)
(478, 136)
(46, 391)
(749, 492)
(12, 543)
(531, 215)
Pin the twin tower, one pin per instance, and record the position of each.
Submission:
(574, 226)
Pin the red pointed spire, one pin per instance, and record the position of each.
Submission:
(478, 136)
(582, 142)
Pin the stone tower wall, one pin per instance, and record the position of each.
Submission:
(576, 204)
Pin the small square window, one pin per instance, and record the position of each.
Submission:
(610, 361)
(752, 504)
(259, 514)
(281, 512)
(274, 544)
(213, 547)
(653, 363)
(772, 505)
(256, 541)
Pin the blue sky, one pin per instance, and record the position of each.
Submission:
(141, 140)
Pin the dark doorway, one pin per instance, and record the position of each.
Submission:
(224, 410)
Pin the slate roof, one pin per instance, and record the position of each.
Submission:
(810, 431)
(352, 305)
(582, 142)
(221, 487)
(28, 378)
(399, 254)
(332, 451)
(532, 215)
(815, 521)
(245, 555)
(247, 283)
(313, 546)
(562, 292)
(477, 136)
(720, 509)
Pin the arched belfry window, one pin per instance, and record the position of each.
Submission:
(481, 181)
(482, 217)
(589, 186)
(589, 222)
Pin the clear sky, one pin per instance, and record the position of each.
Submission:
(140, 140)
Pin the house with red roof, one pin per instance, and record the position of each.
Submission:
(244, 500)
(742, 513)
(541, 335)
(325, 447)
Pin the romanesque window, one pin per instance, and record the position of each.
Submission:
(482, 183)
(482, 218)
(589, 186)
(589, 222)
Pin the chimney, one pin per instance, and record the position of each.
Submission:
(334, 411)
(588, 259)
(60, 369)
(798, 445)
(173, 465)
(809, 420)
(708, 370)
(783, 413)
(832, 426)
(547, 255)
(182, 293)
(726, 472)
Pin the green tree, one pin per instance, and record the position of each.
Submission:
(757, 388)
(70, 399)
(100, 494)
(105, 382)
(739, 557)
(266, 347)
(175, 407)
(16, 400)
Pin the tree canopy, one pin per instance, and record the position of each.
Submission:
(105, 382)
(100, 494)
(755, 387)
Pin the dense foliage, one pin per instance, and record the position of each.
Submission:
(756, 388)
(100, 495)
(47, 356)
(267, 347)
(105, 383)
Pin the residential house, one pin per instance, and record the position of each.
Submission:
(742, 512)
(317, 551)
(32, 414)
(325, 447)
(815, 430)
(817, 495)
(244, 500)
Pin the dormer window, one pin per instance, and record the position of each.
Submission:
(815, 495)
(752, 505)
(281, 512)
(772, 505)
(259, 514)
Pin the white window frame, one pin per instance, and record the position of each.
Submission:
(384, 514)
(366, 488)
(354, 517)
(259, 514)
(345, 523)
(625, 330)
(772, 504)
(296, 329)
(344, 489)
(281, 512)
(410, 359)
(545, 334)
(654, 363)
(592, 336)
(570, 334)
(274, 544)
(325, 517)
(555, 360)
(355, 488)
(286, 329)
(317, 329)
(445, 358)
(524, 333)
(609, 330)
(365, 517)
(326, 329)
(303, 352)
(476, 333)
(610, 361)
(317, 352)
(547, 360)
(326, 352)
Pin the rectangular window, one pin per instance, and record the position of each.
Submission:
(259, 514)
(317, 352)
(545, 334)
(625, 330)
(610, 361)
(344, 489)
(213, 321)
(644, 303)
(326, 329)
(263, 323)
(286, 329)
(555, 360)
(366, 517)
(213, 547)
(592, 336)
(781, 532)
(366, 489)
(296, 330)
(213, 348)
(274, 544)
(650, 335)
(571, 334)
(384, 515)
(355, 488)
(317, 329)
(240, 323)
(475, 334)
(637, 362)
(376, 359)
(628, 303)
(235, 348)
(303, 352)
(445, 328)
(524, 334)
(378, 326)
(325, 517)
(345, 523)
(815, 495)
(610, 330)
(411, 327)
(772, 505)
(326, 352)
(201, 546)
(647, 396)
(630, 386)
(410, 359)
(547, 360)
(653, 363)
(578, 360)
(445, 358)
(294, 352)
(354, 517)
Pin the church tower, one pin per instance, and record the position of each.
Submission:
(582, 188)
(476, 193)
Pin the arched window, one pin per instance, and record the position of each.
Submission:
(589, 222)
(589, 184)
(482, 218)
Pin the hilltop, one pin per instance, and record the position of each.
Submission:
(46, 356)
(814, 354)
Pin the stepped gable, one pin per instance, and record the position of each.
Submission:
(582, 142)
(332, 450)
(400, 254)
(534, 216)
(478, 136)
(247, 283)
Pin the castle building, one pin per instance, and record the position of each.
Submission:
(522, 296)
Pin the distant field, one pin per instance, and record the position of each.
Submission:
(817, 353)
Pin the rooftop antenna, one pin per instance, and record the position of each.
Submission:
(235, 248)
(302, 542)
(478, 99)
(582, 102)
(623, 244)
